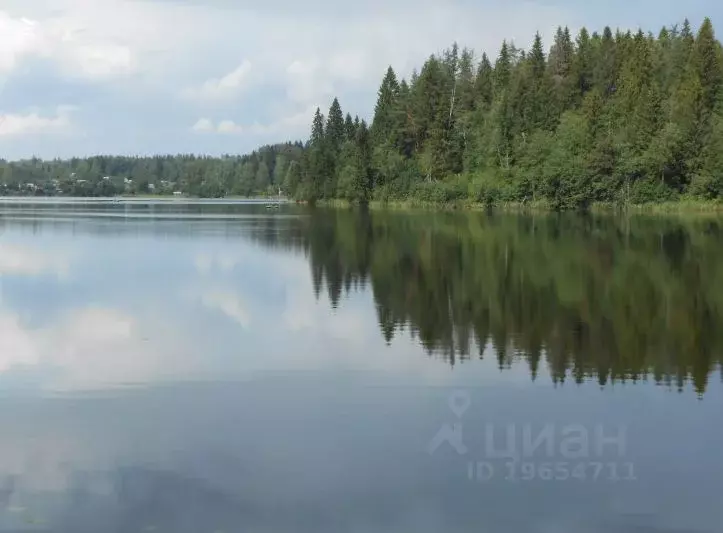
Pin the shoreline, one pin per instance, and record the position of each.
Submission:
(685, 206)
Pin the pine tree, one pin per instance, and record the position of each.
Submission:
(637, 98)
(466, 83)
(581, 69)
(539, 92)
(355, 174)
(319, 165)
(386, 98)
(484, 84)
(687, 109)
(662, 47)
(563, 84)
(537, 58)
(349, 128)
(503, 68)
(604, 73)
(709, 182)
(431, 109)
(681, 49)
(335, 130)
(317, 129)
(404, 121)
(707, 61)
(558, 60)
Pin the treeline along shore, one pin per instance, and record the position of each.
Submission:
(609, 117)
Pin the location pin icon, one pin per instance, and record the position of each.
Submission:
(459, 401)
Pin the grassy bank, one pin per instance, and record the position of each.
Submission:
(685, 205)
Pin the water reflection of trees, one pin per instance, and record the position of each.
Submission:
(593, 297)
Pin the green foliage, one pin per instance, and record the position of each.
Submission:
(648, 191)
(707, 186)
(354, 163)
(440, 192)
(610, 117)
(105, 176)
(488, 189)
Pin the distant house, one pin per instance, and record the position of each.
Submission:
(106, 178)
(151, 187)
(177, 193)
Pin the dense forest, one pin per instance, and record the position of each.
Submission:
(576, 297)
(259, 173)
(614, 117)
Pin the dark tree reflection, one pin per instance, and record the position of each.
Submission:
(593, 298)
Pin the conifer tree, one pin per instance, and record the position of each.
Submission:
(484, 84)
(707, 61)
(386, 98)
(318, 168)
(335, 130)
(349, 128)
(581, 68)
(604, 73)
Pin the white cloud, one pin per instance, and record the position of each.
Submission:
(19, 260)
(224, 261)
(293, 124)
(203, 263)
(19, 39)
(306, 81)
(229, 126)
(94, 346)
(77, 52)
(349, 65)
(229, 304)
(16, 344)
(226, 127)
(13, 125)
(99, 61)
(203, 125)
(284, 127)
(222, 88)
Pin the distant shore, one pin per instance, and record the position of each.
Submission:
(141, 198)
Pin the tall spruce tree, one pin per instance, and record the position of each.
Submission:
(349, 128)
(335, 130)
(384, 109)
(318, 169)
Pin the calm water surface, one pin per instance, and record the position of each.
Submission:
(218, 367)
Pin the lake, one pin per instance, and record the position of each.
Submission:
(216, 367)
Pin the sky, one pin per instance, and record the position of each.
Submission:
(141, 77)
